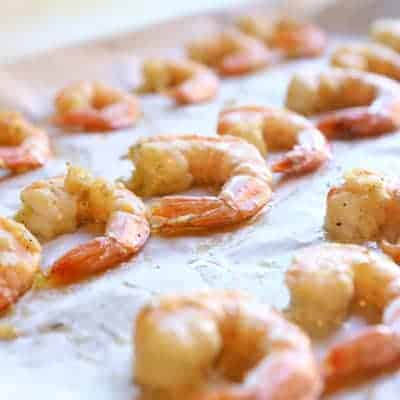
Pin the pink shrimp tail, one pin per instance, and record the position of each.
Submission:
(126, 235)
(307, 41)
(372, 349)
(242, 198)
(227, 394)
(302, 160)
(24, 157)
(244, 62)
(197, 90)
(90, 258)
(115, 116)
(355, 124)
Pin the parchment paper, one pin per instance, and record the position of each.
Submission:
(76, 343)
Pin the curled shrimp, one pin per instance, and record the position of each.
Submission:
(94, 106)
(387, 32)
(170, 164)
(325, 280)
(365, 207)
(356, 104)
(357, 210)
(185, 81)
(22, 145)
(277, 129)
(368, 57)
(20, 255)
(60, 205)
(292, 37)
(181, 340)
(231, 53)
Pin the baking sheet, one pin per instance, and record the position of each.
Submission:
(76, 342)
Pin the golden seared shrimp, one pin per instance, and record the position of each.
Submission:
(292, 37)
(365, 207)
(182, 341)
(230, 53)
(356, 104)
(185, 81)
(20, 254)
(170, 164)
(22, 145)
(60, 205)
(94, 106)
(358, 209)
(277, 129)
(325, 281)
(387, 32)
(368, 57)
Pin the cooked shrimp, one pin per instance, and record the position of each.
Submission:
(276, 129)
(231, 53)
(372, 102)
(292, 37)
(20, 256)
(185, 81)
(324, 281)
(171, 164)
(182, 341)
(368, 57)
(93, 106)
(22, 145)
(387, 32)
(60, 205)
(356, 211)
(365, 207)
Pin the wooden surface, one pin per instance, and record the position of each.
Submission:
(30, 26)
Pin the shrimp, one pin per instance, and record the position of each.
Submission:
(371, 102)
(60, 205)
(22, 145)
(170, 164)
(368, 57)
(293, 38)
(325, 280)
(387, 32)
(365, 207)
(20, 254)
(185, 81)
(269, 127)
(93, 106)
(231, 53)
(181, 341)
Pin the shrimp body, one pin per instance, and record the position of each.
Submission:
(22, 145)
(351, 104)
(170, 164)
(291, 37)
(185, 81)
(93, 106)
(365, 207)
(181, 341)
(368, 57)
(20, 254)
(230, 53)
(60, 205)
(277, 129)
(387, 32)
(325, 280)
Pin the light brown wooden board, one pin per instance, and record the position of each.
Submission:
(76, 343)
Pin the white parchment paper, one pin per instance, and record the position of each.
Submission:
(76, 343)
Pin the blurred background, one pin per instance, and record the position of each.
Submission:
(27, 26)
